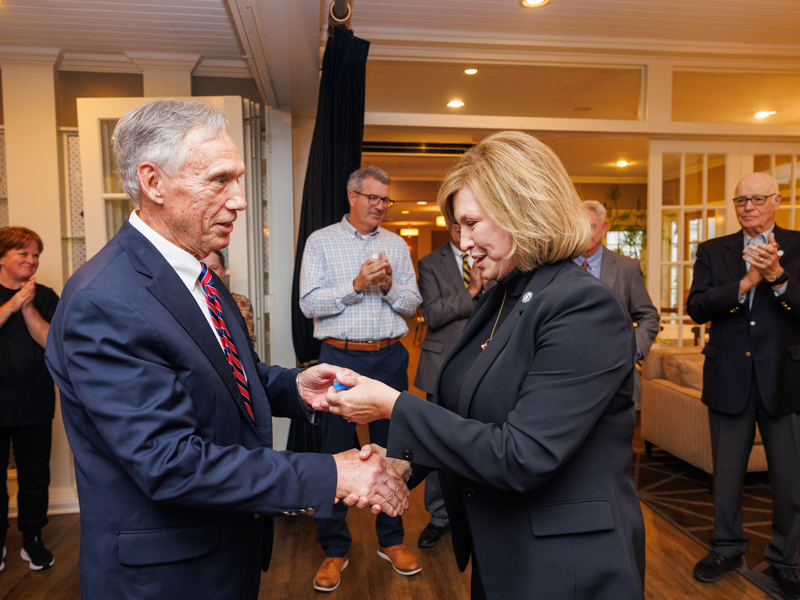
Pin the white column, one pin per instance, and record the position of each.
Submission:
(165, 75)
(658, 91)
(302, 134)
(34, 201)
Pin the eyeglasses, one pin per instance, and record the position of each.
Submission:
(375, 200)
(756, 200)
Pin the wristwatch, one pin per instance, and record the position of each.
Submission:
(780, 279)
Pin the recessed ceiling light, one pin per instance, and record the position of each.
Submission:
(534, 3)
(467, 71)
(764, 114)
(405, 212)
(622, 163)
(422, 203)
(455, 104)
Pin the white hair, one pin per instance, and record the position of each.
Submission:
(155, 133)
(596, 208)
(356, 179)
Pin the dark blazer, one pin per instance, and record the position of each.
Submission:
(536, 465)
(446, 306)
(624, 276)
(172, 475)
(766, 336)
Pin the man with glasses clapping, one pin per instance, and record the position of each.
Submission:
(746, 285)
(357, 283)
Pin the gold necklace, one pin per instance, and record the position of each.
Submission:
(491, 335)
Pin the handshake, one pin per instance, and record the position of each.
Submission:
(365, 477)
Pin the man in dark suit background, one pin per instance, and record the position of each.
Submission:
(450, 288)
(167, 409)
(624, 276)
(746, 285)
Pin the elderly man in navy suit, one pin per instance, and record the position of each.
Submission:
(746, 285)
(167, 409)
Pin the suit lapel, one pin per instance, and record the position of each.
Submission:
(540, 280)
(169, 290)
(450, 267)
(608, 268)
(733, 256)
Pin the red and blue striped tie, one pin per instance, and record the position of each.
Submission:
(215, 309)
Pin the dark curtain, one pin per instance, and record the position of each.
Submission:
(335, 153)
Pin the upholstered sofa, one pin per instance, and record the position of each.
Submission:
(673, 418)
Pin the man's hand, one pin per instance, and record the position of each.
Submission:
(368, 400)
(401, 466)
(387, 284)
(475, 281)
(764, 263)
(370, 482)
(370, 270)
(313, 384)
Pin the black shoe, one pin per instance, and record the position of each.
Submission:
(37, 554)
(713, 565)
(431, 535)
(788, 580)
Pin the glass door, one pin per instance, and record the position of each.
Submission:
(689, 191)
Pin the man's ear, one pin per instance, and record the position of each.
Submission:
(151, 181)
(351, 197)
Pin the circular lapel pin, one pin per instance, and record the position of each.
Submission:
(527, 297)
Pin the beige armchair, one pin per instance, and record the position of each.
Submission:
(673, 417)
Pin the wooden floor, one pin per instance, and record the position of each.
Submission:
(670, 559)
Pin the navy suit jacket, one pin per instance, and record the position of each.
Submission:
(765, 337)
(536, 464)
(173, 477)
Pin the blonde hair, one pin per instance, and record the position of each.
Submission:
(522, 186)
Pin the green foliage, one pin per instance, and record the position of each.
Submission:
(632, 224)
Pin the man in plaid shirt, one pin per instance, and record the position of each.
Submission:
(358, 283)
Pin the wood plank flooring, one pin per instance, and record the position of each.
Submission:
(670, 559)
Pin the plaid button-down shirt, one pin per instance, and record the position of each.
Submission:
(332, 259)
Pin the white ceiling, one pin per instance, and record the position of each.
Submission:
(739, 25)
(113, 27)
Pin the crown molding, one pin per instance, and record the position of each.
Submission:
(19, 55)
(444, 38)
(98, 63)
(164, 60)
(590, 57)
(211, 67)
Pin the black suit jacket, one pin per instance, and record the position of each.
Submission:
(170, 468)
(535, 465)
(766, 336)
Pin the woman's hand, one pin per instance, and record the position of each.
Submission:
(24, 297)
(368, 400)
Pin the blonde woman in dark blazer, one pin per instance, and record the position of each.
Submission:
(531, 424)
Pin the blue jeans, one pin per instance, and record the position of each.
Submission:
(390, 366)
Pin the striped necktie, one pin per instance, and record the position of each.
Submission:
(215, 309)
(760, 239)
(465, 269)
(585, 265)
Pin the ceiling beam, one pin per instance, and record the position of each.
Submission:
(281, 44)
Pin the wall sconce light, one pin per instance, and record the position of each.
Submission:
(409, 232)
(440, 222)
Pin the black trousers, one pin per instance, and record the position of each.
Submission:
(732, 439)
(32, 455)
(390, 366)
